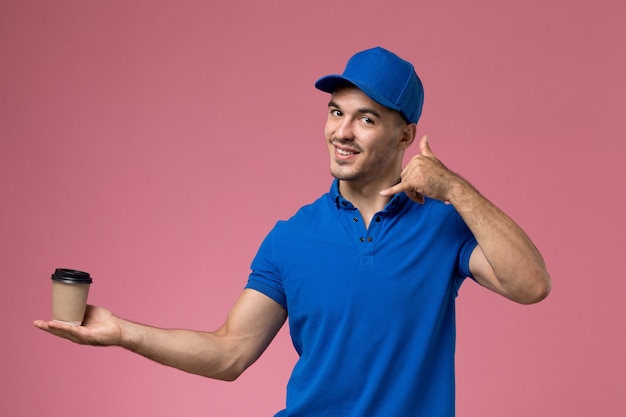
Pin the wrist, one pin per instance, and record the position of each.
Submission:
(130, 335)
(459, 191)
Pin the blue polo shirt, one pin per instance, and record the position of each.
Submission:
(371, 311)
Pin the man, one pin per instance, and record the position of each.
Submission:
(367, 274)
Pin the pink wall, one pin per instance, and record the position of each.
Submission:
(154, 143)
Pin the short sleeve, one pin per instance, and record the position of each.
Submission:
(265, 275)
(468, 244)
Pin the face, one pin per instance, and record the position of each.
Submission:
(365, 140)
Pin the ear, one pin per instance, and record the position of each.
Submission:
(408, 135)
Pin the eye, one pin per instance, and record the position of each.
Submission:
(367, 120)
(335, 113)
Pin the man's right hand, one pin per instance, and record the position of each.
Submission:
(100, 328)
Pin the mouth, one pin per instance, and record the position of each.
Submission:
(345, 152)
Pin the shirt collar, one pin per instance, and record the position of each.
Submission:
(397, 200)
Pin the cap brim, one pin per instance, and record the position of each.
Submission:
(330, 83)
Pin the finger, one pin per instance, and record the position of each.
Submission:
(52, 328)
(398, 188)
(425, 147)
(41, 324)
(415, 196)
(61, 325)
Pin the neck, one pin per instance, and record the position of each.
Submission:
(366, 197)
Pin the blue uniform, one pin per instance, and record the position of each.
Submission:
(371, 311)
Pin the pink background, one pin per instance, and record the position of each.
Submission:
(155, 143)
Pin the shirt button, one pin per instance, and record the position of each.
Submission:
(369, 239)
(355, 219)
(362, 239)
(377, 219)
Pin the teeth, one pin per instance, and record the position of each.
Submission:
(344, 152)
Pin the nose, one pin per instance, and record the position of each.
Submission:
(344, 129)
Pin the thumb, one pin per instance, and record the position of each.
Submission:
(425, 147)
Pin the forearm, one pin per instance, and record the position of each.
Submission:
(225, 354)
(208, 354)
(518, 267)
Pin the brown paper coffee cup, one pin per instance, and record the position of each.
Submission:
(70, 289)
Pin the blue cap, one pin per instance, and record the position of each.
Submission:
(385, 78)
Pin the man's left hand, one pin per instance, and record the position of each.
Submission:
(424, 175)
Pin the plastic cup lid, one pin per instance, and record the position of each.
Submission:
(71, 276)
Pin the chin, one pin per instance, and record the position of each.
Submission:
(344, 176)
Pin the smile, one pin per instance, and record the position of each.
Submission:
(345, 152)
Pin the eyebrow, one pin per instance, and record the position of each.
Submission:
(364, 110)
